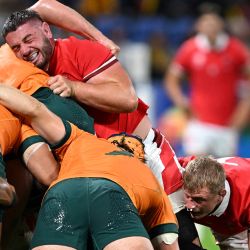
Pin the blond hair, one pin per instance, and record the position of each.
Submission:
(204, 172)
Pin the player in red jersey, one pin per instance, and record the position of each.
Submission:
(216, 192)
(91, 74)
(215, 64)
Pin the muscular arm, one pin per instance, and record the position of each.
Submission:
(43, 121)
(111, 90)
(173, 246)
(67, 18)
(41, 163)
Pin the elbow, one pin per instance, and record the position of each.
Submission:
(49, 175)
(49, 178)
(36, 110)
(133, 104)
(40, 6)
(132, 101)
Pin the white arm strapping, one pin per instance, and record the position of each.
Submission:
(31, 150)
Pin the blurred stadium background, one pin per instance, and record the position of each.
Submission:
(149, 32)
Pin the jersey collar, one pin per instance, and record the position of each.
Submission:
(203, 43)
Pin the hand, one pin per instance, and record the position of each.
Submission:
(61, 85)
(115, 49)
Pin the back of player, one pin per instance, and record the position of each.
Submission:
(96, 166)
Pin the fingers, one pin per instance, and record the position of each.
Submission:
(60, 85)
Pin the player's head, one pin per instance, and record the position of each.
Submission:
(204, 186)
(29, 37)
(131, 143)
(210, 24)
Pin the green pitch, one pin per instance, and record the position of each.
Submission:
(207, 239)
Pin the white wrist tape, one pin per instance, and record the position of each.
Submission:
(152, 156)
(167, 238)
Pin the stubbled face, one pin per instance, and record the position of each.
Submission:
(32, 42)
(202, 202)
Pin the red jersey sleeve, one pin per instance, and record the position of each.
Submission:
(79, 59)
(96, 58)
(182, 57)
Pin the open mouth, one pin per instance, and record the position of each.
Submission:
(33, 56)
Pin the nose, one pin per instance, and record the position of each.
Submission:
(189, 204)
(24, 51)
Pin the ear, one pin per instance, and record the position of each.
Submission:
(46, 30)
(222, 193)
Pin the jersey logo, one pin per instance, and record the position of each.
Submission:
(120, 152)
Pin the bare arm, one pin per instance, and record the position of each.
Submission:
(43, 121)
(111, 90)
(173, 246)
(67, 18)
(41, 163)
(241, 115)
(172, 84)
(163, 246)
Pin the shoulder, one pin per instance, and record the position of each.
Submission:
(186, 48)
(237, 169)
(77, 43)
(237, 44)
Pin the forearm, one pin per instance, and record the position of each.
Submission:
(111, 91)
(67, 18)
(173, 89)
(240, 117)
(44, 122)
(18, 102)
(106, 97)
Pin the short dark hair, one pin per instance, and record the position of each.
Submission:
(17, 19)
